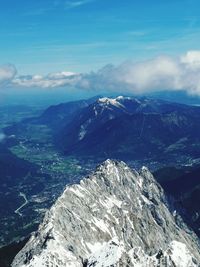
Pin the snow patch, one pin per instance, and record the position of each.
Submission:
(76, 192)
(82, 132)
(146, 200)
(112, 201)
(101, 225)
(110, 101)
(108, 255)
(180, 254)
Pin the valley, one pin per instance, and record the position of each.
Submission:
(44, 151)
(99, 133)
(33, 175)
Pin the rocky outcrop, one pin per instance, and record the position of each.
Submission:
(115, 217)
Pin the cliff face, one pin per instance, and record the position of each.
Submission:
(114, 217)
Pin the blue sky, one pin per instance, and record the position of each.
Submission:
(53, 35)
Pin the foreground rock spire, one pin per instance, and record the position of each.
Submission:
(115, 217)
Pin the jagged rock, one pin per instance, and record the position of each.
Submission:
(115, 217)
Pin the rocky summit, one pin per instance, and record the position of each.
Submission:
(115, 217)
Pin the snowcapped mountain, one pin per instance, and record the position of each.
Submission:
(125, 128)
(130, 128)
(58, 116)
(115, 217)
(88, 119)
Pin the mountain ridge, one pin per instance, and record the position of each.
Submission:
(114, 217)
(114, 128)
(120, 127)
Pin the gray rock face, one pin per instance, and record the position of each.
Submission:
(116, 217)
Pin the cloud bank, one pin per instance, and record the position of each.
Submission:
(51, 80)
(157, 74)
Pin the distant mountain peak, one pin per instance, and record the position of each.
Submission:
(110, 101)
(118, 99)
(127, 127)
(115, 217)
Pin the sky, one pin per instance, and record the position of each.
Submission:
(62, 37)
(82, 35)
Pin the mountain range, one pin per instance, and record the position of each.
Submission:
(129, 128)
(125, 128)
(136, 130)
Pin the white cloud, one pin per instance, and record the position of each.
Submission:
(7, 73)
(51, 80)
(191, 59)
(161, 73)
(76, 3)
(61, 75)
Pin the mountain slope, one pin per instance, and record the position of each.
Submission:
(128, 128)
(90, 119)
(184, 184)
(55, 117)
(115, 217)
(59, 115)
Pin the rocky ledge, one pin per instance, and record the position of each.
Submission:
(115, 217)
